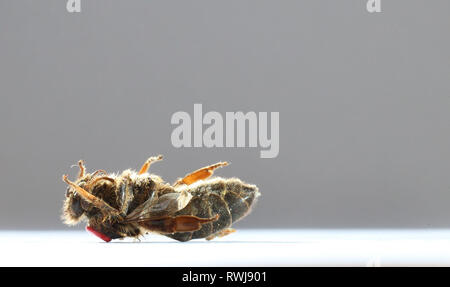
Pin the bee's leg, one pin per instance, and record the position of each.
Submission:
(97, 172)
(95, 180)
(126, 195)
(180, 223)
(222, 233)
(199, 174)
(148, 162)
(97, 202)
(82, 168)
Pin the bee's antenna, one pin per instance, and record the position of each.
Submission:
(82, 168)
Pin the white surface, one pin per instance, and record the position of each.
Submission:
(243, 248)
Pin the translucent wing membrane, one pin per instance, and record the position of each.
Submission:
(165, 205)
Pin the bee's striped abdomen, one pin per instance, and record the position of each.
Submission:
(231, 199)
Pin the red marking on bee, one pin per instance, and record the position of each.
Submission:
(98, 234)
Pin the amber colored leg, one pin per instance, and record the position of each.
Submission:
(221, 233)
(181, 223)
(97, 172)
(200, 174)
(148, 162)
(94, 181)
(82, 168)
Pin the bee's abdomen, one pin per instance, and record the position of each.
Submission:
(231, 199)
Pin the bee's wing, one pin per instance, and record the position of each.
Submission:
(165, 205)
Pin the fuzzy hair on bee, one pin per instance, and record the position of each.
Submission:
(134, 203)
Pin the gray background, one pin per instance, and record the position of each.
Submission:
(363, 98)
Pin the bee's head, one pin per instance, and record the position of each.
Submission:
(74, 205)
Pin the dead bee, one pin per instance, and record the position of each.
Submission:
(134, 203)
